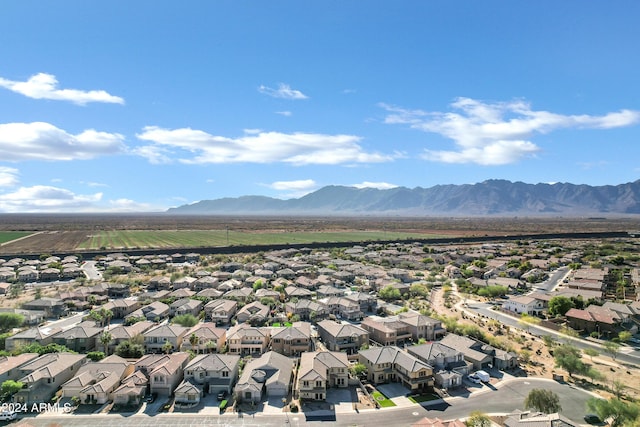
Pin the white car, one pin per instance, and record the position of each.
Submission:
(8, 415)
(474, 379)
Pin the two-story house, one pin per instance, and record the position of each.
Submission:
(95, 382)
(221, 311)
(307, 309)
(164, 371)
(81, 338)
(208, 338)
(122, 307)
(209, 373)
(186, 306)
(391, 364)
(449, 366)
(155, 338)
(293, 340)
(246, 340)
(342, 337)
(44, 375)
(255, 313)
(319, 371)
(270, 374)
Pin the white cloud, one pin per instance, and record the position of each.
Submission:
(378, 185)
(296, 188)
(497, 133)
(282, 91)
(128, 205)
(285, 113)
(43, 141)
(196, 146)
(8, 177)
(44, 86)
(42, 198)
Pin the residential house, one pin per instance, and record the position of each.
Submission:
(342, 337)
(319, 371)
(132, 390)
(44, 375)
(307, 309)
(42, 335)
(155, 338)
(343, 308)
(31, 317)
(121, 333)
(387, 330)
(449, 366)
(479, 354)
(154, 312)
(186, 306)
(9, 365)
(95, 382)
(293, 340)
(209, 338)
(437, 422)
(326, 291)
(82, 338)
(165, 371)
(241, 294)
(297, 292)
(254, 313)
(221, 311)
(52, 307)
(367, 302)
(160, 283)
(422, 327)
(185, 282)
(391, 364)
(271, 375)
(246, 340)
(205, 282)
(122, 307)
(589, 321)
(538, 419)
(524, 304)
(209, 373)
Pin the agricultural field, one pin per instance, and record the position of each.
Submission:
(201, 238)
(8, 236)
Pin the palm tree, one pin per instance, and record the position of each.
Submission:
(194, 340)
(105, 339)
(167, 347)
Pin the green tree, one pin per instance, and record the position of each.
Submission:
(130, 350)
(389, 293)
(543, 400)
(194, 340)
(611, 348)
(167, 347)
(105, 339)
(526, 321)
(567, 357)
(419, 290)
(617, 411)
(624, 336)
(478, 419)
(95, 356)
(9, 388)
(9, 321)
(559, 305)
(357, 369)
(186, 320)
(591, 352)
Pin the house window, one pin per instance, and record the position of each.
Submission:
(318, 383)
(247, 395)
(201, 375)
(225, 374)
(422, 374)
(191, 397)
(305, 383)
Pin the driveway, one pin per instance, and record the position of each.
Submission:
(397, 393)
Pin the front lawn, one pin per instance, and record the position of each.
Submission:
(382, 400)
(419, 398)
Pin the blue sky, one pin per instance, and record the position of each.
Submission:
(143, 105)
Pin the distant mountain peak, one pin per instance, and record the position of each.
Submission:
(493, 197)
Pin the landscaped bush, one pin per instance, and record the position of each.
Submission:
(223, 404)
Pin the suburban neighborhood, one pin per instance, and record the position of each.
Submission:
(309, 330)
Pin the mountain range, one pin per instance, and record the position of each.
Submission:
(488, 198)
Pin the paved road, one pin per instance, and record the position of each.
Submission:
(503, 398)
(91, 270)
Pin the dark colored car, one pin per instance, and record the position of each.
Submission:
(592, 419)
(150, 399)
(222, 395)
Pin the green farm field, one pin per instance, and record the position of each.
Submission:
(8, 236)
(201, 238)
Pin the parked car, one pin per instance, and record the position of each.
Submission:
(474, 379)
(222, 395)
(150, 399)
(484, 376)
(592, 419)
(8, 415)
